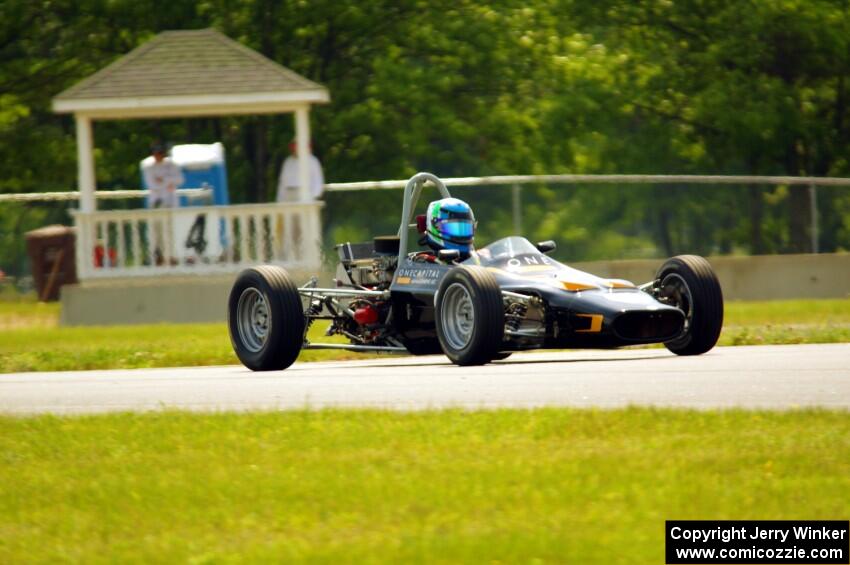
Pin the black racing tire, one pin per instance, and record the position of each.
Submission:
(265, 294)
(470, 292)
(502, 356)
(689, 282)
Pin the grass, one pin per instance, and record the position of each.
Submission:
(787, 321)
(552, 485)
(28, 315)
(30, 339)
(788, 312)
(125, 347)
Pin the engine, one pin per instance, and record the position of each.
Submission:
(363, 264)
(364, 322)
(383, 269)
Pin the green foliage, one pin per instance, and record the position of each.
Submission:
(30, 341)
(360, 486)
(753, 88)
(464, 88)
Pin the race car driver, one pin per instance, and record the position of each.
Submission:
(449, 224)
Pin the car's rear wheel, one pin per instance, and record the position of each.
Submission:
(265, 319)
(689, 283)
(469, 315)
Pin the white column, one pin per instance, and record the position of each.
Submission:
(302, 144)
(85, 164)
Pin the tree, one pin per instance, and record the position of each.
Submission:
(750, 87)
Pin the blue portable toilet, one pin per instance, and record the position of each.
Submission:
(203, 165)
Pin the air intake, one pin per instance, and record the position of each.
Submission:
(643, 325)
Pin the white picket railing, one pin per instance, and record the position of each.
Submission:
(197, 239)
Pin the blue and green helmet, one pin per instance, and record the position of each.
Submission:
(450, 224)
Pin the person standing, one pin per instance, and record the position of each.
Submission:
(289, 190)
(289, 182)
(162, 177)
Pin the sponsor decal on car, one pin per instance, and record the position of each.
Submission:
(428, 277)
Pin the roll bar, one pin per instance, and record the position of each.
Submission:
(412, 191)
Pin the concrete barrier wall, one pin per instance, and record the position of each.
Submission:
(204, 299)
(150, 301)
(761, 277)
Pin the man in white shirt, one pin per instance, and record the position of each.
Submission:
(163, 177)
(289, 182)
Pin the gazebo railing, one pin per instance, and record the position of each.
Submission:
(197, 239)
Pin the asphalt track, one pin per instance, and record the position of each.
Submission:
(770, 377)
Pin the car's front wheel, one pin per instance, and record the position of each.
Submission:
(689, 283)
(469, 315)
(265, 319)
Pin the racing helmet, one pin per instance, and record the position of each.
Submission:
(450, 224)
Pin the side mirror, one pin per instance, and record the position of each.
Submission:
(448, 255)
(546, 246)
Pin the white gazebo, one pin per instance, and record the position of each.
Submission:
(190, 74)
(123, 255)
(185, 74)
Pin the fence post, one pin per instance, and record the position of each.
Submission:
(813, 205)
(516, 207)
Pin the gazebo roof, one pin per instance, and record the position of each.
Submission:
(184, 73)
